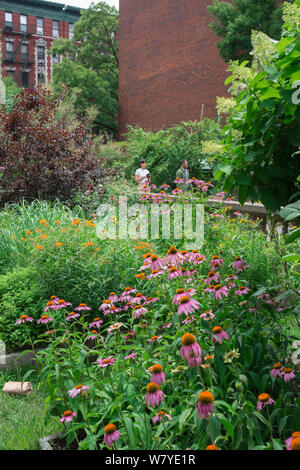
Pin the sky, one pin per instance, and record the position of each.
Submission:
(85, 3)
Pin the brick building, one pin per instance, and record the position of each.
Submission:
(169, 63)
(27, 29)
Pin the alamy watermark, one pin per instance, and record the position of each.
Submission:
(158, 221)
(296, 94)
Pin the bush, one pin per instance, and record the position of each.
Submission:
(43, 158)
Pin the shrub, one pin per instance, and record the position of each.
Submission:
(43, 158)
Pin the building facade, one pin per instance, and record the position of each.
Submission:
(28, 28)
(169, 63)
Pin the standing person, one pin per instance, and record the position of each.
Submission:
(183, 174)
(142, 177)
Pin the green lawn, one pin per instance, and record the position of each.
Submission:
(22, 418)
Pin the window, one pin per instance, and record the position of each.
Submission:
(25, 79)
(9, 50)
(23, 23)
(55, 29)
(8, 19)
(41, 54)
(24, 53)
(41, 78)
(71, 30)
(40, 26)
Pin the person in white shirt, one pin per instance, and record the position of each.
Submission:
(142, 177)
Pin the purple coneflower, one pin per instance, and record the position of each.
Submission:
(161, 415)
(23, 319)
(207, 315)
(287, 374)
(277, 369)
(174, 257)
(216, 261)
(189, 345)
(113, 297)
(156, 262)
(139, 310)
(174, 273)
(242, 291)
(220, 291)
(150, 300)
(96, 323)
(82, 307)
(138, 298)
(155, 273)
(131, 356)
(107, 361)
(68, 416)
(72, 315)
(187, 305)
(205, 405)
(158, 375)
(219, 335)
(188, 320)
(293, 442)
(111, 434)
(239, 264)
(212, 276)
(77, 390)
(154, 338)
(44, 319)
(264, 399)
(154, 395)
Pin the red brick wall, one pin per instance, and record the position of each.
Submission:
(169, 63)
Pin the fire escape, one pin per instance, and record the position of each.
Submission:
(17, 56)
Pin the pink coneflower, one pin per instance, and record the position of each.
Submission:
(161, 415)
(139, 310)
(131, 356)
(242, 291)
(179, 294)
(82, 307)
(205, 405)
(238, 214)
(264, 296)
(207, 315)
(130, 335)
(239, 264)
(167, 325)
(62, 304)
(44, 319)
(185, 254)
(194, 361)
(174, 257)
(220, 334)
(111, 434)
(107, 361)
(96, 323)
(138, 298)
(264, 399)
(199, 259)
(23, 319)
(212, 276)
(216, 261)
(114, 327)
(128, 306)
(77, 390)
(155, 273)
(154, 395)
(187, 273)
(150, 300)
(52, 304)
(187, 305)
(276, 371)
(174, 273)
(72, 315)
(94, 335)
(188, 320)
(252, 309)
(113, 297)
(293, 442)
(287, 374)
(196, 257)
(220, 291)
(154, 338)
(68, 416)
(189, 345)
(230, 277)
(126, 295)
(105, 304)
(158, 375)
(111, 309)
(156, 262)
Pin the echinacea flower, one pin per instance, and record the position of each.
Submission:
(111, 309)
(105, 304)
(264, 399)
(230, 277)
(167, 325)
(62, 304)
(138, 311)
(114, 327)
(113, 297)
(161, 415)
(107, 361)
(126, 295)
(205, 405)
(130, 335)
(72, 315)
(242, 290)
(82, 307)
(239, 264)
(188, 320)
(207, 315)
(219, 335)
(96, 323)
(187, 305)
(158, 375)
(68, 416)
(111, 434)
(212, 447)
(189, 345)
(220, 291)
(174, 257)
(293, 442)
(154, 338)
(154, 395)
(277, 368)
(287, 374)
(130, 356)
(77, 390)
(174, 273)
(150, 300)
(156, 262)
(94, 334)
(216, 261)
(155, 273)
(138, 298)
(51, 305)
(23, 319)
(44, 319)
(212, 276)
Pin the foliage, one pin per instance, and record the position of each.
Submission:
(261, 136)
(88, 73)
(291, 212)
(234, 21)
(43, 157)
(12, 91)
(163, 150)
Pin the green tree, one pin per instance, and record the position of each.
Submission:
(234, 21)
(88, 73)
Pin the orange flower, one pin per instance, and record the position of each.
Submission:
(58, 244)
